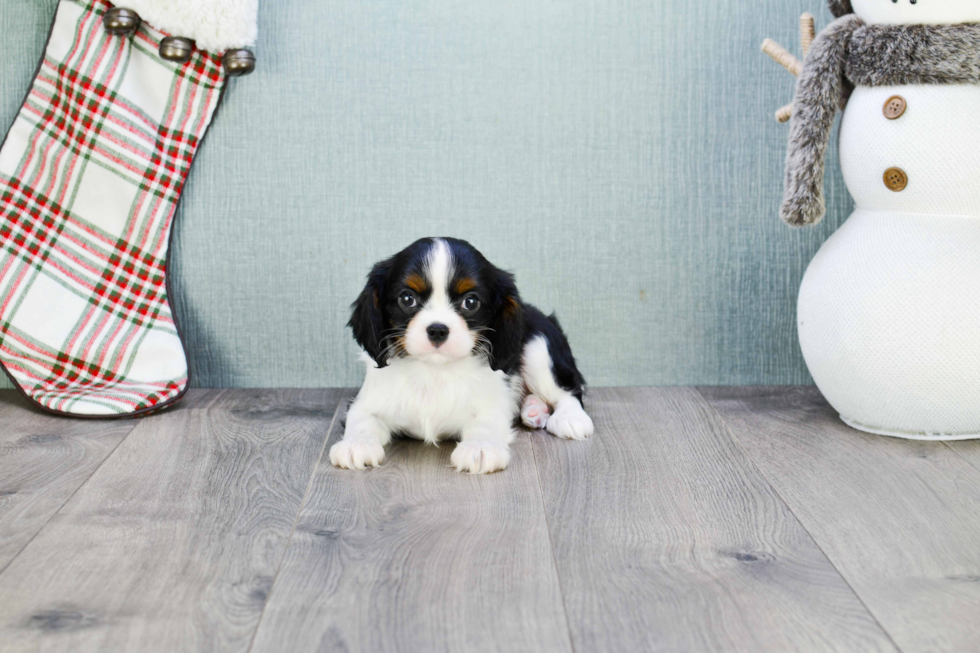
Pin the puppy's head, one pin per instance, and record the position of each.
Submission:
(439, 300)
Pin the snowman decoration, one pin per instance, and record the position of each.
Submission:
(889, 308)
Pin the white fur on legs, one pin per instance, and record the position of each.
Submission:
(535, 412)
(483, 446)
(432, 402)
(480, 456)
(570, 421)
(356, 454)
(364, 442)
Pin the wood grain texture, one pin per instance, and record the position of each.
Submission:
(969, 450)
(667, 538)
(414, 556)
(898, 518)
(172, 545)
(43, 460)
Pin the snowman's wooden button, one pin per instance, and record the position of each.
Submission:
(896, 179)
(895, 107)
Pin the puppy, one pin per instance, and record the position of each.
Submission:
(453, 352)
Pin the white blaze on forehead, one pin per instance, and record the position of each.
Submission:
(438, 309)
(439, 270)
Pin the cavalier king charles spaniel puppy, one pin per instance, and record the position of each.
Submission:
(453, 352)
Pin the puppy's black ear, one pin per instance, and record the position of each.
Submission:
(367, 314)
(507, 337)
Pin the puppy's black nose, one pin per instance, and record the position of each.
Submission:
(438, 333)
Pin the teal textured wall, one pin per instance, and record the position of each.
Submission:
(619, 156)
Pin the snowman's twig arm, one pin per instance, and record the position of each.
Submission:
(818, 96)
(807, 32)
(783, 114)
(782, 56)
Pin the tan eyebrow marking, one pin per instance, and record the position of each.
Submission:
(465, 285)
(416, 283)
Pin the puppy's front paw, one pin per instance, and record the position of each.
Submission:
(570, 421)
(535, 412)
(480, 457)
(357, 454)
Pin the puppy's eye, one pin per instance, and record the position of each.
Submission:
(471, 304)
(407, 300)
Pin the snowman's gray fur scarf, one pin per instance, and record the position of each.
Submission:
(846, 53)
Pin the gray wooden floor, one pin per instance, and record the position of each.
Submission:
(712, 519)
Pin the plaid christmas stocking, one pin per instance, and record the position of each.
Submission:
(90, 175)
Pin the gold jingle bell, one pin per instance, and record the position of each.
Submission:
(119, 21)
(176, 49)
(238, 62)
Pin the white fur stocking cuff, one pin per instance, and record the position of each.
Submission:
(215, 25)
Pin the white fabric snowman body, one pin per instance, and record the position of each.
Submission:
(889, 309)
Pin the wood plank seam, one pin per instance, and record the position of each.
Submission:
(551, 544)
(136, 424)
(959, 454)
(413, 556)
(738, 443)
(344, 396)
(668, 538)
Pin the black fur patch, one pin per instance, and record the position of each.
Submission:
(564, 368)
(376, 316)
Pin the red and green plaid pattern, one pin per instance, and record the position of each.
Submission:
(90, 175)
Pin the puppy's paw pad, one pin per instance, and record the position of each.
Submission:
(356, 454)
(478, 457)
(571, 422)
(535, 412)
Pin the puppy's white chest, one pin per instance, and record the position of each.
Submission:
(434, 402)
